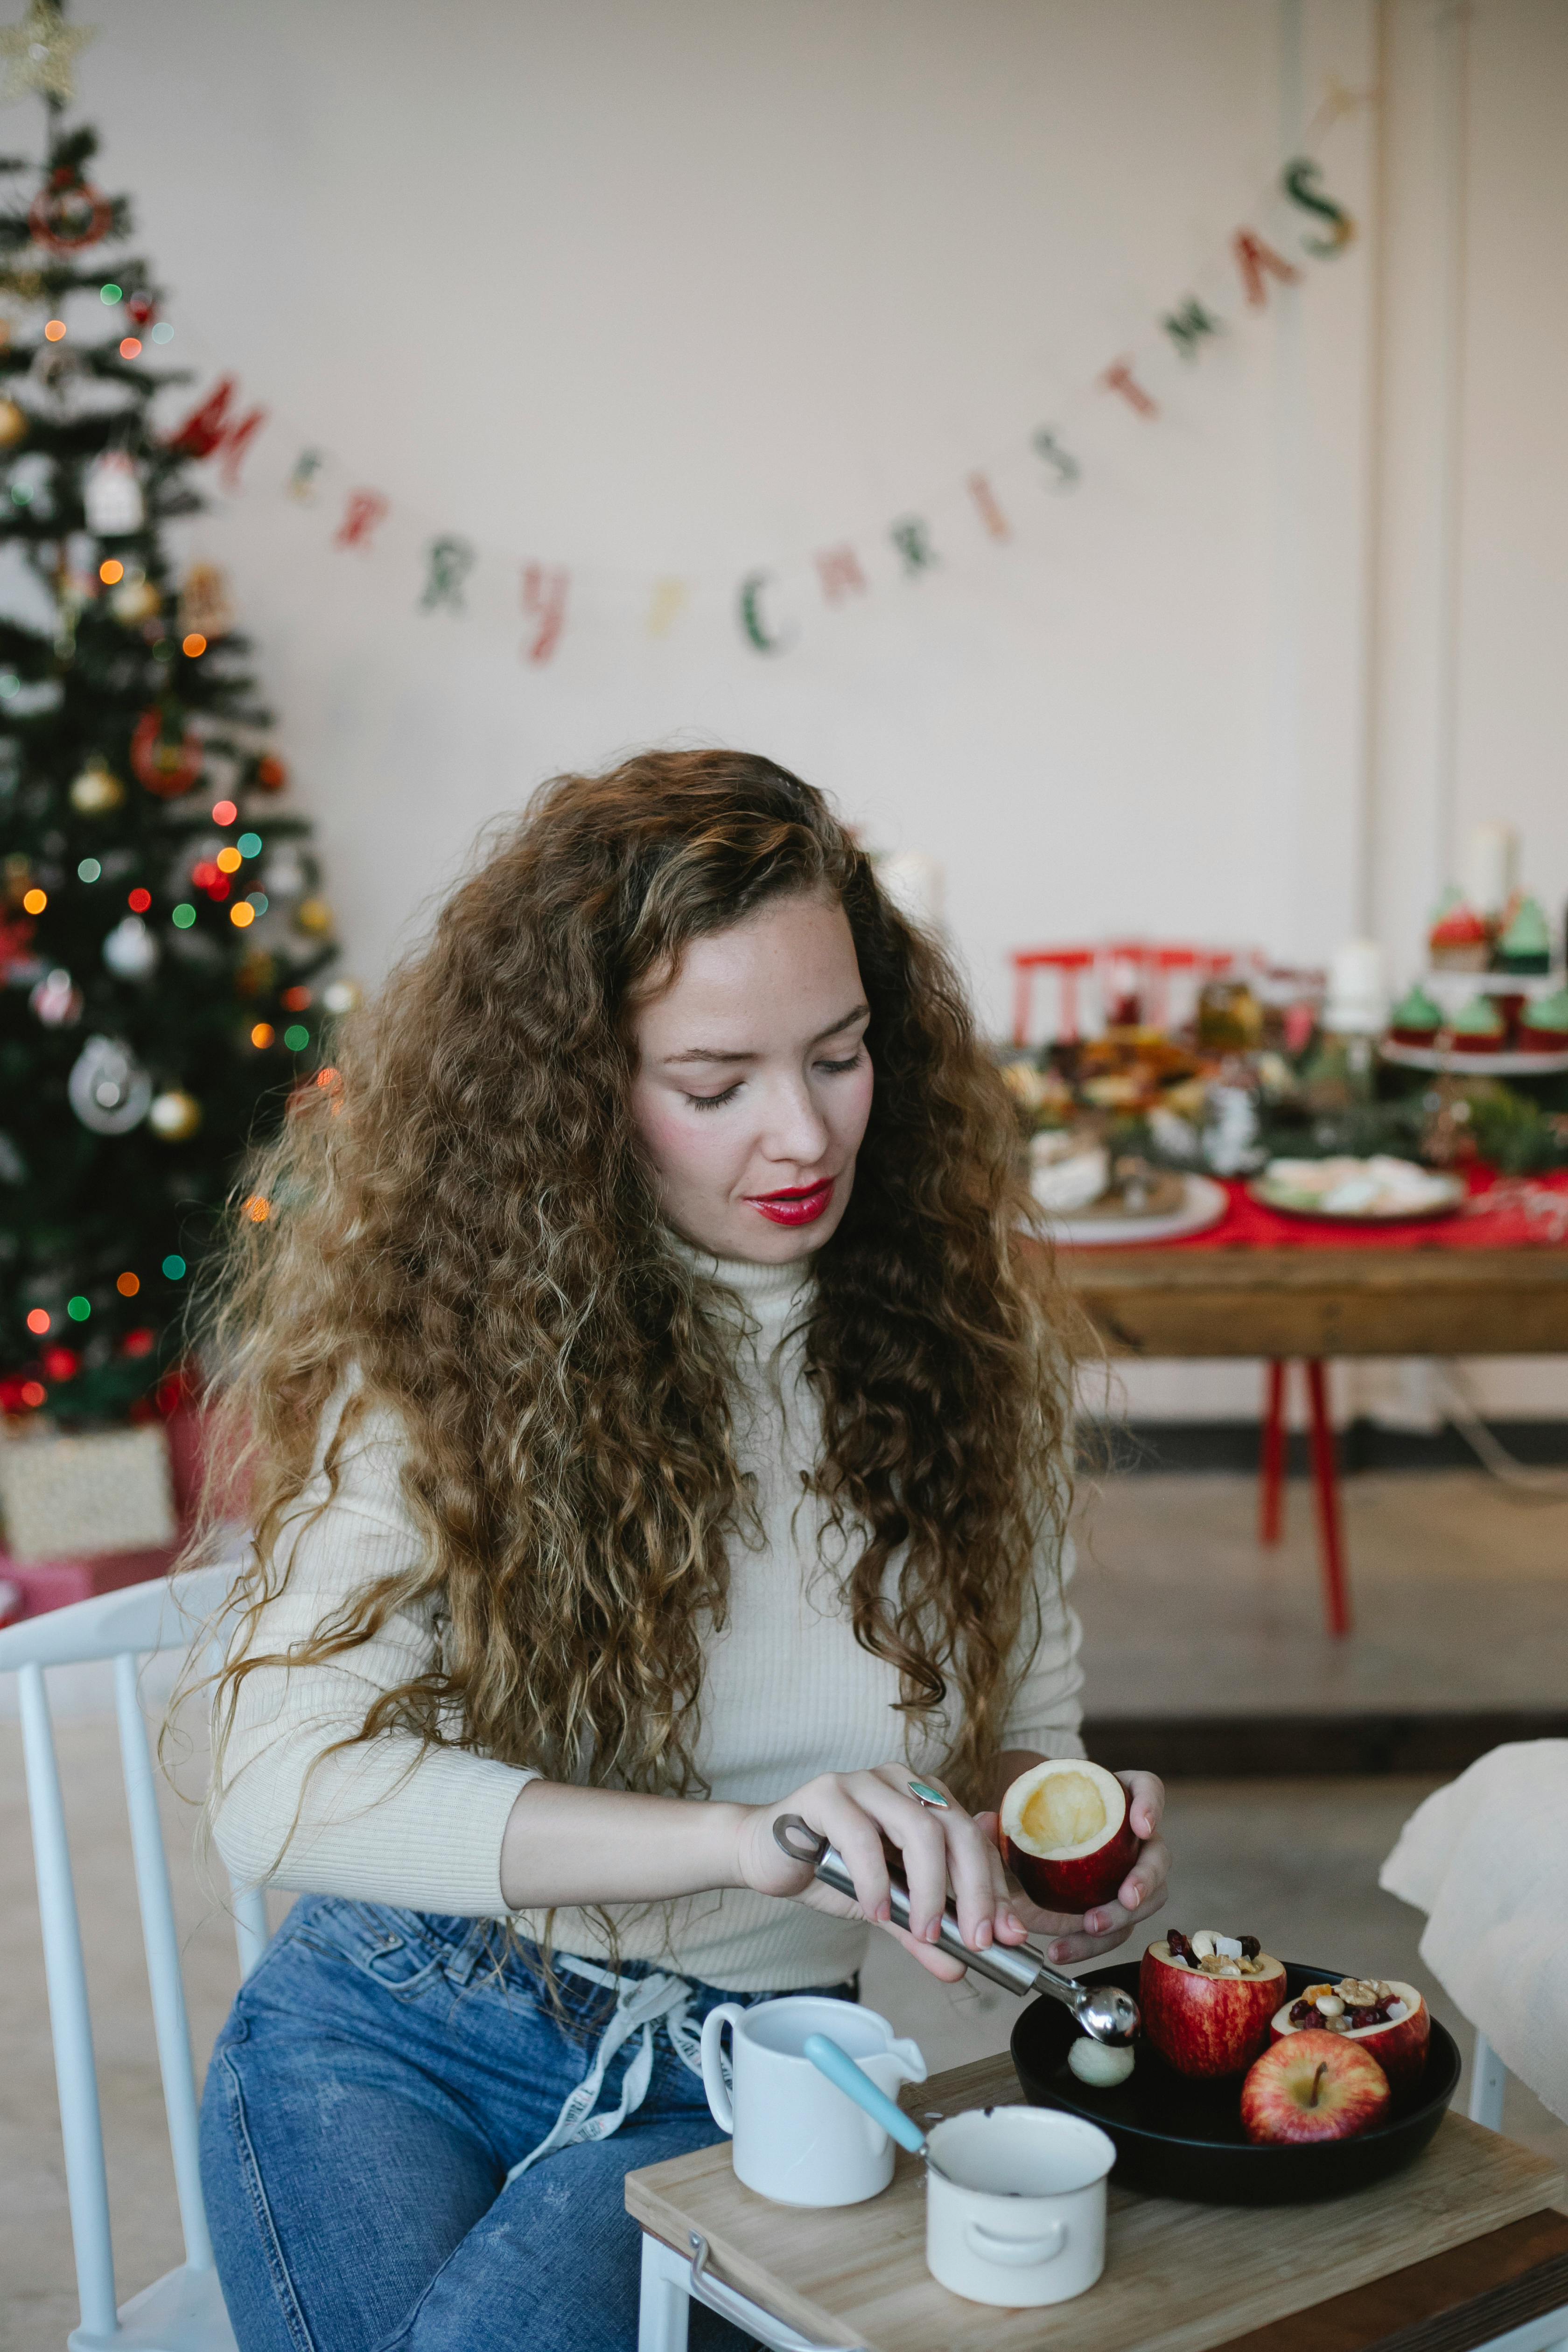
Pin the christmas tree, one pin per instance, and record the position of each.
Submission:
(162, 937)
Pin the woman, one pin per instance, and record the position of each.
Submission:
(655, 1431)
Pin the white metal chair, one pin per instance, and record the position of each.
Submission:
(183, 2312)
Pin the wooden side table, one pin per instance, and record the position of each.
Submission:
(1457, 2252)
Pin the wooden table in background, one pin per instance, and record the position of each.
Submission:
(1318, 1303)
(1313, 1304)
(1456, 2252)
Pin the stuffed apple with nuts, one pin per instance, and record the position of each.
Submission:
(1208, 2001)
(1389, 2020)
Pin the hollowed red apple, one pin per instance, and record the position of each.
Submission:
(1311, 2086)
(1397, 2033)
(1203, 2023)
(1066, 1836)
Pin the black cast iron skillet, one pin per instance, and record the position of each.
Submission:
(1176, 2137)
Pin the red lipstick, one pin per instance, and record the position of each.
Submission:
(801, 1206)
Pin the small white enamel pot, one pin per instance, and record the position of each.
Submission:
(1015, 2196)
(1015, 2204)
(797, 2139)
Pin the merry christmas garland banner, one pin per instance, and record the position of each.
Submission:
(542, 599)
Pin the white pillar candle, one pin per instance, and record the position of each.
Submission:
(1490, 869)
(1358, 990)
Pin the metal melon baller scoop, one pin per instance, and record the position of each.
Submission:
(1103, 2011)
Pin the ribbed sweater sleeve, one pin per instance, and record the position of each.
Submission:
(386, 1821)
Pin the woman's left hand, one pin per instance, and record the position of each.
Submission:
(1069, 1938)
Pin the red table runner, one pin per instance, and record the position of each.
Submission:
(1502, 1212)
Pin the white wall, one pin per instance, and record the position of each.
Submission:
(698, 289)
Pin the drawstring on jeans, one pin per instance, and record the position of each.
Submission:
(640, 2001)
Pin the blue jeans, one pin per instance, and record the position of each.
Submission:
(380, 2075)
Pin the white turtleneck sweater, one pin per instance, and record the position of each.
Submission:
(787, 1692)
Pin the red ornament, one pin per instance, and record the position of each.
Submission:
(70, 213)
(271, 775)
(142, 309)
(139, 1342)
(60, 1363)
(167, 769)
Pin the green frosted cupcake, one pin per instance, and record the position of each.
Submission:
(1543, 1025)
(1479, 1028)
(1526, 942)
(1415, 1019)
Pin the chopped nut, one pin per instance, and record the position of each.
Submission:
(1230, 1967)
(1328, 2004)
(1202, 1945)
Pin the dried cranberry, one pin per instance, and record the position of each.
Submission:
(1304, 2012)
(1250, 1947)
(1376, 2015)
(1180, 1949)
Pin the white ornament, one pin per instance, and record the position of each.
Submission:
(109, 1090)
(135, 600)
(56, 1001)
(130, 951)
(111, 495)
(285, 873)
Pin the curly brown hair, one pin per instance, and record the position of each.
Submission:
(460, 1228)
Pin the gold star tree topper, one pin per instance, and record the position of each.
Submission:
(39, 54)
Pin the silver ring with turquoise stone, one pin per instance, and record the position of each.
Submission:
(931, 1799)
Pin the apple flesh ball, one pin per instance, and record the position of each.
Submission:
(1099, 2062)
(1396, 2030)
(1202, 2023)
(1066, 1834)
(1313, 2087)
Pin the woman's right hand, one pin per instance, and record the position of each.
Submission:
(864, 1814)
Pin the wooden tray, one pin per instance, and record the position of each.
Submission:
(1178, 2278)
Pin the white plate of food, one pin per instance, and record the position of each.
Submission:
(1380, 1190)
(1180, 1205)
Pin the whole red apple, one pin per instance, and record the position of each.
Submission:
(1311, 2086)
(1066, 1834)
(1397, 2034)
(1202, 2023)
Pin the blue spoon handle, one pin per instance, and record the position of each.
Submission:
(842, 2073)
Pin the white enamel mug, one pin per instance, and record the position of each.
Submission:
(797, 2139)
(1015, 2204)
